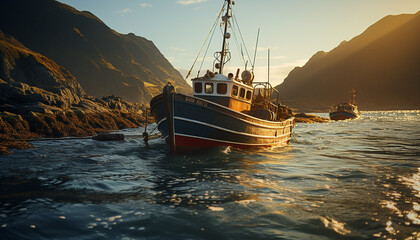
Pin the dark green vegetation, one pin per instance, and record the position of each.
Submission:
(381, 64)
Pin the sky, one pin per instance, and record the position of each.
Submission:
(292, 30)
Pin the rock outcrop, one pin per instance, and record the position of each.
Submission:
(29, 77)
(39, 98)
(309, 118)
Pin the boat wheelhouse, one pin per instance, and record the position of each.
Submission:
(346, 110)
(224, 110)
(228, 92)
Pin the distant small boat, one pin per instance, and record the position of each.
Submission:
(225, 110)
(346, 110)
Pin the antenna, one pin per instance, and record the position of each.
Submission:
(268, 79)
(255, 53)
(226, 35)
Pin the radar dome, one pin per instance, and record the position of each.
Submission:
(247, 77)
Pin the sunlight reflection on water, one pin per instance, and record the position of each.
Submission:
(357, 179)
(414, 183)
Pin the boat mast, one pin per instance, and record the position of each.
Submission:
(268, 64)
(255, 53)
(353, 96)
(225, 20)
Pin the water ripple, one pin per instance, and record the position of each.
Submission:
(355, 179)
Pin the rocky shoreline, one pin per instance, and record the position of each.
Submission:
(41, 99)
(17, 129)
(89, 117)
(309, 118)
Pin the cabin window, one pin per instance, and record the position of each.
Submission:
(235, 91)
(221, 88)
(209, 88)
(242, 93)
(248, 95)
(198, 87)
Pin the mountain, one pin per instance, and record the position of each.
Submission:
(39, 98)
(382, 64)
(31, 82)
(103, 61)
(27, 77)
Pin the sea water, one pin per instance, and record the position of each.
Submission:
(353, 179)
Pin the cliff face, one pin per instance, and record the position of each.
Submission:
(39, 98)
(28, 77)
(104, 61)
(29, 81)
(381, 64)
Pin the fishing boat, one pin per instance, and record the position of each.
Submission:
(346, 110)
(224, 110)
